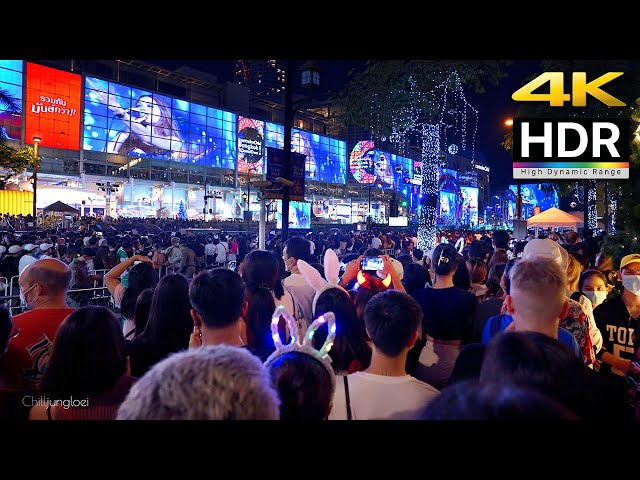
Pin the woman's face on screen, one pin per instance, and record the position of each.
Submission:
(297, 143)
(150, 110)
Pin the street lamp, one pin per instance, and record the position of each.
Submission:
(36, 141)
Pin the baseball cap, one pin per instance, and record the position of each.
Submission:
(28, 247)
(626, 260)
(45, 246)
(15, 248)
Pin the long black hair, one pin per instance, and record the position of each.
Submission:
(170, 324)
(350, 349)
(141, 277)
(261, 274)
(88, 355)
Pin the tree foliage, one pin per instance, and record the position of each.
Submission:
(383, 90)
(17, 161)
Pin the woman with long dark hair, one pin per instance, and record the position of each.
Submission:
(141, 313)
(260, 271)
(169, 326)
(351, 351)
(88, 364)
(141, 276)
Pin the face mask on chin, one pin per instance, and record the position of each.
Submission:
(631, 283)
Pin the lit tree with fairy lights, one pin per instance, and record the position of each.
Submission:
(182, 211)
(421, 103)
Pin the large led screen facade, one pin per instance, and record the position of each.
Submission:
(326, 157)
(11, 84)
(53, 107)
(130, 121)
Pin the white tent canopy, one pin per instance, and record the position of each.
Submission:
(554, 217)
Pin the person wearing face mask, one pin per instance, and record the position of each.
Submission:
(43, 289)
(593, 285)
(298, 248)
(618, 319)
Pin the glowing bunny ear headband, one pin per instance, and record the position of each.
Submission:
(304, 344)
(313, 277)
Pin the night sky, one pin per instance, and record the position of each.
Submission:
(494, 106)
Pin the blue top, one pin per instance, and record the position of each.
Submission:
(564, 336)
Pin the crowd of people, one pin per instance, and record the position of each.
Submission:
(328, 325)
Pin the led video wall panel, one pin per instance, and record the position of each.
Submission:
(11, 84)
(130, 121)
(52, 107)
(326, 157)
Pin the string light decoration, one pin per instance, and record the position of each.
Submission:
(613, 213)
(429, 188)
(592, 212)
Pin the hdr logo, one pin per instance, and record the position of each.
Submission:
(570, 148)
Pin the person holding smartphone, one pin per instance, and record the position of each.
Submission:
(372, 265)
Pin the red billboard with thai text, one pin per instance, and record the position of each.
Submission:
(52, 107)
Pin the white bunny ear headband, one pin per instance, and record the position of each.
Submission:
(304, 344)
(313, 277)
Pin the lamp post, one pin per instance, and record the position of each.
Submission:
(36, 141)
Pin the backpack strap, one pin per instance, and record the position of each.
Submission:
(347, 398)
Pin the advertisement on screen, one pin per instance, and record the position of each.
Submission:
(398, 221)
(417, 172)
(299, 215)
(52, 107)
(11, 84)
(326, 158)
(447, 208)
(130, 121)
(343, 211)
(250, 145)
(377, 168)
(542, 195)
(469, 205)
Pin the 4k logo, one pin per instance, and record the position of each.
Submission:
(580, 88)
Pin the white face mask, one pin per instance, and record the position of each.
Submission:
(596, 297)
(631, 283)
(23, 300)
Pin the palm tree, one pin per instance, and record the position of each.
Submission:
(12, 160)
(11, 104)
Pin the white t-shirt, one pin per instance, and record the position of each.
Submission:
(302, 292)
(24, 261)
(378, 397)
(376, 242)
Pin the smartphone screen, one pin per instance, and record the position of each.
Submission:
(372, 263)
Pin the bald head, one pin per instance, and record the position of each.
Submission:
(51, 274)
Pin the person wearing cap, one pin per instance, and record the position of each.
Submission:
(46, 251)
(27, 258)
(174, 255)
(618, 318)
(9, 265)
